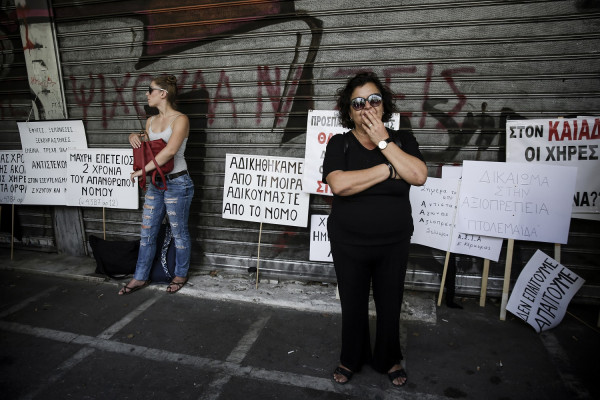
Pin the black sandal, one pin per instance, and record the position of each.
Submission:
(178, 286)
(399, 373)
(125, 290)
(346, 373)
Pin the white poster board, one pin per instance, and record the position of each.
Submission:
(45, 147)
(434, 207)
(516, 201)
(100, 178)
(572, 141)
(265, 189)
(320, 248)
(543, 292)
(13, 180)
(321, 125)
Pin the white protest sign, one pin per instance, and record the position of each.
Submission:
(434, 207)
(100, 178)
(572, 141)
(13, 180)
(543, 292)
(321, 125)
(516, 201)
(45, 146)
(320, 248)
(265, 189)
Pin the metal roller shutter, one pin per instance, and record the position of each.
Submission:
(250, 70)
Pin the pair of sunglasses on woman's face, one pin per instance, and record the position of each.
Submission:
(359, 103)
(150, 89)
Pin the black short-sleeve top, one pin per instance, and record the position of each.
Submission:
(380, 214)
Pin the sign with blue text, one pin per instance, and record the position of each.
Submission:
(45, 147)
(516, 201)
(13, 180)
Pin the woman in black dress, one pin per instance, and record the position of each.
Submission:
(370, 170)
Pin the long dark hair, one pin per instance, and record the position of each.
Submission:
(344, 97)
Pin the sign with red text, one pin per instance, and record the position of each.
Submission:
(13, 180)
(321, 125)
(264, 189)
(569, 141)
(516, 201)
(100, 178)
(45, 148)
(543, 292)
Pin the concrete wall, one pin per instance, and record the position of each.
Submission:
(249, 72)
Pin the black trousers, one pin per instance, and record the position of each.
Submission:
(356, 268)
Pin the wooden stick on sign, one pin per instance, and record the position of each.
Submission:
(258, 255)
(443, 279)
(509, 256)
(104, 222)
(484, 282)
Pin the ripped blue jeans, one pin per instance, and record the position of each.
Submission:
(175, 202)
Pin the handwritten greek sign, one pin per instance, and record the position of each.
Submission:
(45, 146)
(543, 292)
(100, 178)
(569, 141)
(265, 189)
(320, 248)
(516, 201)
(434, 208)
(13, 180)
(321, 125)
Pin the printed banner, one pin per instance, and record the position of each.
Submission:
(100, 178)
(543, 292)
(516, 201)
(321, 125)
(13, 180)
(571, 142)
(265, 189)
(45, 147)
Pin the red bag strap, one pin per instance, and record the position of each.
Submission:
(142, 178)
(160, 172)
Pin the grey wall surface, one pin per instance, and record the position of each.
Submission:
(249, 72)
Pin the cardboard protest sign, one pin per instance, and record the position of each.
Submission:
(265, 189)
(100, 178)
(434, 207)
(320, 248)
(543, 292)
(568, 141)
(13, 180)
(516, 201)
(321, 125)
(45, 146)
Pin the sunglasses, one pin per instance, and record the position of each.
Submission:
(150, 89)
(358, 103)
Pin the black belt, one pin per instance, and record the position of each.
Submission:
(173, 176)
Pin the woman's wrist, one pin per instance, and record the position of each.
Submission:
(392, 170)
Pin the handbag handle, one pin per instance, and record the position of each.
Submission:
(157, 170)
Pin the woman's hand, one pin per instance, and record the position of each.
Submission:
(135, 174)
(135, 139)
(373, 126)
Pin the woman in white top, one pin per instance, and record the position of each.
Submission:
(173, 127)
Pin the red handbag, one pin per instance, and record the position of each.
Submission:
(146, 152)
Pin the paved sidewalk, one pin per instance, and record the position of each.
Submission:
(64, 333)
